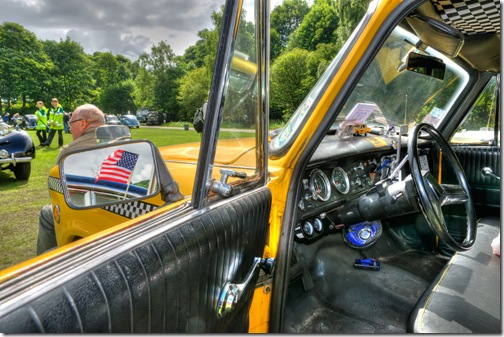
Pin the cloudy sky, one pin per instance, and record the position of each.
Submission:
(127, 27)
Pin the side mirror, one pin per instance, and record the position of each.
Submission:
(427, 65)
(110, 174)
(109, 133)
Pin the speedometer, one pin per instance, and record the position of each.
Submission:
(320, 185)
(340, 180)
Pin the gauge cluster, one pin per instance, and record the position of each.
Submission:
(325, 185)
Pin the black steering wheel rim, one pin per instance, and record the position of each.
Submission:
(433, 196)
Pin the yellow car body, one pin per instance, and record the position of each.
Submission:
(361, 129)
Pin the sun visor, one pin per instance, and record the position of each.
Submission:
(437, 34)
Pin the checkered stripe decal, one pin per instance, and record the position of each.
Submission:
(55, 184)
(131, 210)
(471, 16)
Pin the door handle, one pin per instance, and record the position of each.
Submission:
(231, 292)
(487, 172)
(221, 187)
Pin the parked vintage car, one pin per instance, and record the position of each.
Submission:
(130, 121)
(141, 114)
(16, 151)
(307, 232)
(30, 122)
(155, 118)
(112, 120)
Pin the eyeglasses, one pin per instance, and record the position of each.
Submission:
(75, 120)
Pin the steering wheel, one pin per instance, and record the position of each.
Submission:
(434, 196)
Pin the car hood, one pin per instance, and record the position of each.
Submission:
(229, 152)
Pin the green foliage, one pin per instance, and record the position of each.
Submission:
(116, 98)
(483, 113)
(24, 67)
(166, 87)
(70, 79)
(193, 92)
(318, 26)
(349, 12)
(284, 20)
(144, 88)
(288, 88)
(105, 69)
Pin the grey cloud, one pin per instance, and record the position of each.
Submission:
(114, 25)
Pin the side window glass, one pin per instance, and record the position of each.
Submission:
(238, 139)
(478, 127)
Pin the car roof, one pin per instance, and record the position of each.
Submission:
(480, 30)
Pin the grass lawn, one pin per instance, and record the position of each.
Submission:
(21, 201)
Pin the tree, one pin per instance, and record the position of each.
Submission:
(143, 93)
(161, 58)
(318, 26)
(24, 67)
(70, 80)
(285, 19)
(106, 69)
(193, 92)
(116, 98)
(350, 12)
(288, 88)
(166, 87)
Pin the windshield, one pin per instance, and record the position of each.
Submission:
(388, 94)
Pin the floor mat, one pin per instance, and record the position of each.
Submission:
(349, 300)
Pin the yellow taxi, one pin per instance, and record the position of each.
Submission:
(304, 232)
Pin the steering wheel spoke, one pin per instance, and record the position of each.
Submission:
(434, 196)
(453, 195)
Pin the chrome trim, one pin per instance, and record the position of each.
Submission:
(15, 160)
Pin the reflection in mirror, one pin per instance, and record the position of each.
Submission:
(109, 174)
(427, 65)
(109, 133)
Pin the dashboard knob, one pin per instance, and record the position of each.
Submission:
(308, 228)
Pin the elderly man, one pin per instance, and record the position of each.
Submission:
(83, 123)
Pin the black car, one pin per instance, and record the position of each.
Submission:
(16, 151)
(130, 121)
(156, 118)
(30, 122)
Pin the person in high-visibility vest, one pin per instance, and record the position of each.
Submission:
(55, 123)
(41, 115)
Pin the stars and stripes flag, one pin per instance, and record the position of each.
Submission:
(118, 166)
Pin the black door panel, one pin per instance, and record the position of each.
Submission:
(485, 190)
(170, 283)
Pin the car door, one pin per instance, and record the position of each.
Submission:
(476, 143)
(192, 268)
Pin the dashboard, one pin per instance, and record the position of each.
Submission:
(342, 170)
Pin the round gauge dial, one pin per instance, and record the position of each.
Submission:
(320, 185)
(340, 180)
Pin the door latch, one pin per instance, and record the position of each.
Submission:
(221, 187)
(231, 292)
(487, 172)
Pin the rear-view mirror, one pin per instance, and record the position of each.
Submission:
(427, 65)
(109, 174)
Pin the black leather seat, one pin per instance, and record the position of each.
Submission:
(466, 295)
